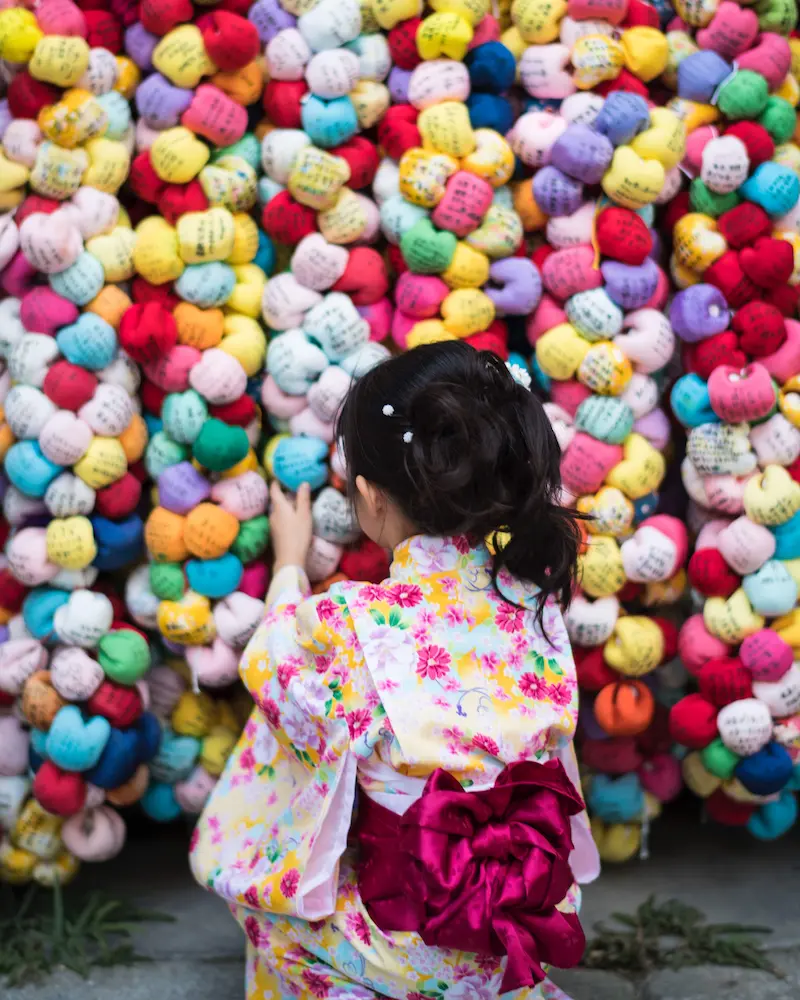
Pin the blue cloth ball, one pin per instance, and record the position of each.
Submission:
(766, 772)
(700, 74)
(772, 186)
(774, 819)
(215, 578)
(490, 111)
(492, 67)
(622, 116)
(28, 469)
(38, 610)
(160, 804)
(119, 543)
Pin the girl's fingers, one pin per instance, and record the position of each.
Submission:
(304, 499)
(279, 498)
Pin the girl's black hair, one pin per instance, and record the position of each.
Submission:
(463, 449)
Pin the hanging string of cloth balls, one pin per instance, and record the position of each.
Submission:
(216, 216)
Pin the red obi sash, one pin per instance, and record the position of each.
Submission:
(479, 871)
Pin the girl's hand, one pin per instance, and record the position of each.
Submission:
(290, 526)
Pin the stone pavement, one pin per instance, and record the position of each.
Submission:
(724, 873)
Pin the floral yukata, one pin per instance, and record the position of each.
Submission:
(367, 690)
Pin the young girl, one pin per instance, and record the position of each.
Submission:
(402, 815)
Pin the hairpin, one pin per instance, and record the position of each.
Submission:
(388, 411)
(520, 375)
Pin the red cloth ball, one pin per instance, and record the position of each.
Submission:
(625, 81)
(630, 592)
(178, 199)
(657, 737)
(148, 332)
(239, 413)
(126, 10)
(761, 328)
(759, 143)
(369, 563)
(235, 6)
(36, 203)
(396, 260)
(144, 181)
(721, 349)
(12, 592)
(402, 40)
(152, 397)
(641, 14)
(281, 100)
(693, 722)
(69, 386)
(677, 208)
(768, 262)
(143, 292)
(230, 39)
(721, 808)
(494, 339)
(105, 31)
(669, 630)
(744, 224)
(618, 755)
(139, 471)
(120, 704)
(727, 275)
(785, 297)
(62, 793)
(119, 499)
(286, 220)
(794, 470)
(118, 625)
(623, 235)
(397, 130)
(711, 575)
(364, 279)
(540, 255)
(362, 158)
(160, 16)
(725, 680)
(592, 670)
(27, 96)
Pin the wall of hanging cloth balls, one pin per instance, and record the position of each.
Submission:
(215, 216)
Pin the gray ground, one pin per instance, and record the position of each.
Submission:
(726, 874)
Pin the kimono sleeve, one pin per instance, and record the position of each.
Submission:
(276, 825)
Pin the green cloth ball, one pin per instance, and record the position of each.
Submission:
(166, 581)
(426, 250)
(745, 95)
(719, 760)
(248, 148)
(779, 16)
(252, 538)
(219, 446)
(779, 119)
(709, 202)
(124, 655)
(184, 414)
(162, 452)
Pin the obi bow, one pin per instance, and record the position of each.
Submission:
(479, 871)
